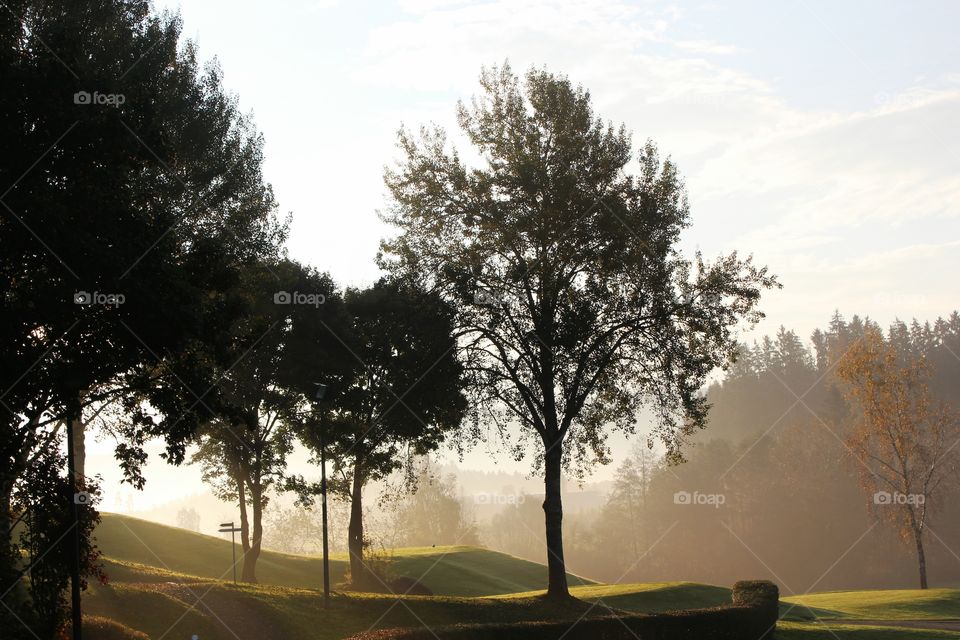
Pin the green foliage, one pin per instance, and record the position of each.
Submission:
(574, 306)
(43, 501)
(124, 225)
(573, 300)
(402, 395)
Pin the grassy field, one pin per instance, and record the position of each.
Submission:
(136, 547)
(649, 597)
(839, 631)
(169, 583)
(906, 604)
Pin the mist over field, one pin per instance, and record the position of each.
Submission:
(479, 319)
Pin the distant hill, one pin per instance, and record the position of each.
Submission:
(143, 551)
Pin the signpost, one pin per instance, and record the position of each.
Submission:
(227, 527)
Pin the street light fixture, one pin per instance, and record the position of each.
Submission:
(318, 396)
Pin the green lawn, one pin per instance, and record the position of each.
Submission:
(839, 631)
(228, 612)
(136, 548)
(158, 573)
(648, 597)
(901, 604)
(131, 540)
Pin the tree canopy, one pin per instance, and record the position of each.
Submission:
(574, 305)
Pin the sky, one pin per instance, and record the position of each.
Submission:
(822, 137)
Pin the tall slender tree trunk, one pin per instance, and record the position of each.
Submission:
(553, 515)
(252, 554)
(921, 558)
(358, 571)
(79, 443)
(8, 562)
(244, 522)
(916, 526)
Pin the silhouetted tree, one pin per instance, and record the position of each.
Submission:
(402, 397)
(41, 503)
(574, 306)
(134, 195)
(279, 348)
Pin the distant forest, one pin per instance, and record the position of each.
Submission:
(775, 450)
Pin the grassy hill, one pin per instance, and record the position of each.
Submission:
(215, 610)
(136, 549)
(648, 597)
(902, 604)
(169, 583)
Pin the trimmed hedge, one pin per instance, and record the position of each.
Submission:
(751, 616)
(762, 596)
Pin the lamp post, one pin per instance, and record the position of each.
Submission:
(321, 392)
(227, 527)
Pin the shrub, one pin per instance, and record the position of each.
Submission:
(409, 586)
(762, 595)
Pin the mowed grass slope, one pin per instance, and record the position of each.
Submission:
(650, 597)
(169, 583)
(222, 611)
(214, 610)
(136, 549)
(899, 604)
(140, 542)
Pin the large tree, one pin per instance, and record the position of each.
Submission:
(903, 441)
(401, 399)
(279, 347)
(132, 199)
(574, 305)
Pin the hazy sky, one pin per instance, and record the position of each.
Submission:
(822, 137)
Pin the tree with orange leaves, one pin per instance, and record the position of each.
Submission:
(906, 443)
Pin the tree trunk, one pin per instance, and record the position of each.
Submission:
(921, 558)
(79, 448)
(8, 562)
(358, 572)
(553, 515)
(252, 554)
(244, 521)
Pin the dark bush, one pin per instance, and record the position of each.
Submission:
(409, 586)
(748, 618)
(762, 595)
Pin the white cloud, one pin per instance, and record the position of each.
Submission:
(793, 184)
(707, 47)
